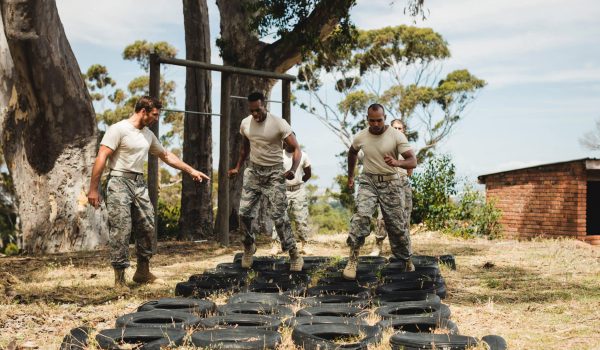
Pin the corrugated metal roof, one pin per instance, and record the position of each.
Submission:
(481, 178)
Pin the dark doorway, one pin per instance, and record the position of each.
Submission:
(593, 208)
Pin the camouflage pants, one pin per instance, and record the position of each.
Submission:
(268, 181)
(298, 206)
(390, 197)
(381, 233)
(129, 206)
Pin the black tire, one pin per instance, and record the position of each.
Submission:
(237, 259)
(397, 297)
(418, 341)
(77, 339)
(261, 298)
(237, 338)
(435, 311)
(300, 278)
(278, 311)
(448, 260)
(427, 286)
(226, 277)
(285, 267)
(336, 310)
(198, 307)
(231, 267)
(339, 290)
(191, 289)
(158, 319)
(418, 325)
(240, 320)
(391, 275)
(303, 320)
(495, 342)
(366, 259)
(328, 336)
(323, 300)
(428, 271)
(152, 338)
(285, 288)
(317, 260)
(337, 279)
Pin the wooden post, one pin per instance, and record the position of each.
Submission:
(286, 92)
(223, 208)
(153, 160)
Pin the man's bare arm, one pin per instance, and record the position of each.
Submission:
(352, 159)
(93, 194)
(174, 161)
(244, 151)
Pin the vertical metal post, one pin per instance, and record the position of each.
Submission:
(153, 160)
(286, 93)
(223, 208)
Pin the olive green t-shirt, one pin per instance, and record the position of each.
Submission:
(391, 142)
(266, 137)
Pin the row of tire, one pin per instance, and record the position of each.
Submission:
(332, 310)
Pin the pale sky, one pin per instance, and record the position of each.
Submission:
(540, 58)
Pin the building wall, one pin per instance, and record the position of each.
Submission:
(548, 200)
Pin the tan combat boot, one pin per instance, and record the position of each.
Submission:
(120, 284)
(248, 256)
(142, 273)
(409, 265)
(377, 249)
(296, 261)
(350, 269)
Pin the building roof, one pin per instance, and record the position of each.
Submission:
(591, 163)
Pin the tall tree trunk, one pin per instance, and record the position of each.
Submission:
(196, 199)
(7, 70)
(49, 133)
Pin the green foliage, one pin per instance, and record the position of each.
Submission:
(168, 219)
(394, 66)
(432, 188)
(102, 89)
(329, 215)
(470, 215)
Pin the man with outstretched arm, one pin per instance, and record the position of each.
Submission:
(262, 136)
(126, 144)
(379, 184)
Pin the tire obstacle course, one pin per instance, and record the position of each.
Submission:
(333, 312)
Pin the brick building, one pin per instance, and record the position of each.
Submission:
(558, 199)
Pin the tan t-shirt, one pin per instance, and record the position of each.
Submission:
(266, 139)
(375, 147)
(130, 146)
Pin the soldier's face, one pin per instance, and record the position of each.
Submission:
(376, 120)
(398, 127)
(151, 117)
(257, 110)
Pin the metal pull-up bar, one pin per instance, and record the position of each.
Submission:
(223, 210)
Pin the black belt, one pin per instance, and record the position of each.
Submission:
(127, 175)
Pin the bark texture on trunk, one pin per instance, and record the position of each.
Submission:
(196, 199)
(49, 133)
(242, 48)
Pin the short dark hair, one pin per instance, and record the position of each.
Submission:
(376, 107)
(398, 121)
(255, 96)
(148, 103)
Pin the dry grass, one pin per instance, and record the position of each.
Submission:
(541, 294)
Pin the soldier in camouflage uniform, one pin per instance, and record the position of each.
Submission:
(262, 137)
(380, 232)
(296, 198)
(126, 144)
(379, 184)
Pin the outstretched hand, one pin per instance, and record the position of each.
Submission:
(199, 176)
(351, 183)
